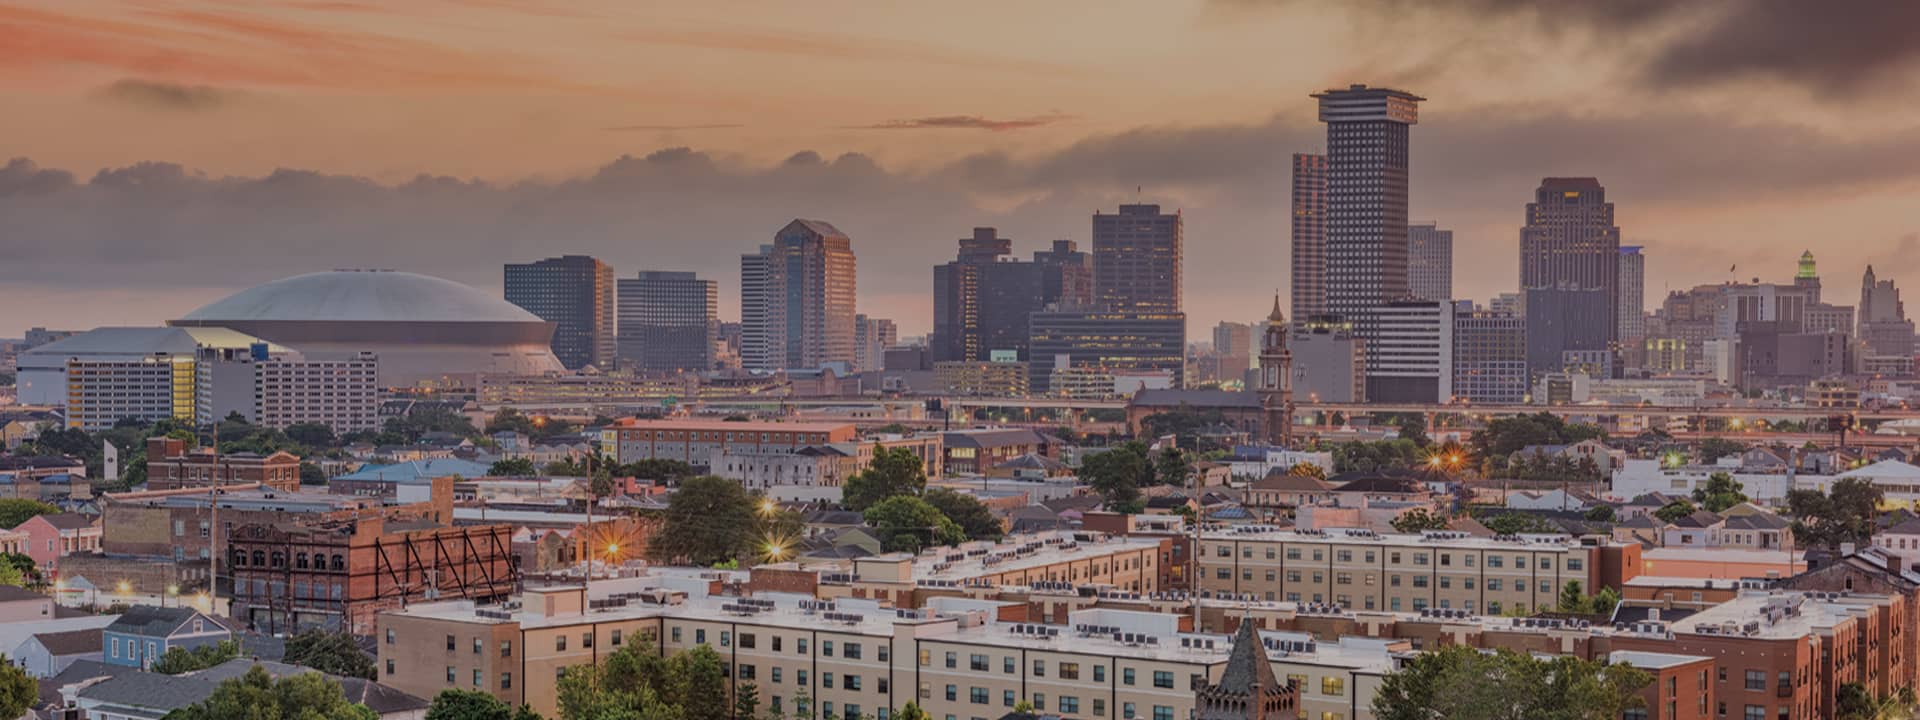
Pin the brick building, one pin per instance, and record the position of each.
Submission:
(694, 441)
(338, 574)
(170, 466)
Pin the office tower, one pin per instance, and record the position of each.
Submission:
(575, 293)
(668, 321)
(1329, 363)
(871, 338)
(1410, 357)
(1136, 260)
(1807, 276)
(1309, 235)
(1512, 303)
(1630, 312)
(796, 299)
(1233, 350)
(1489, 357)
(1429, 262)
(1366, 226)
(1276, 379)
(1570, 271)
(982, 299)
(1884, 326)
(1106, 342)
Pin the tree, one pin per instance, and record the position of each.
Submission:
(707, 520)
(1605, 601)
(1413, 428)
(894, 471)
(457, 704)
(1118, 474)
(906, 523)
(1600, 513)
(306, 696)
(1307, 469)
(626, 687)
(1173, 467)
(17, 691)
(509, 420)
(1673, 511)
(23, 564)
(1844, 514)
(1712, 449)
(178, 660)
(1458, 682)
(969, 513)
(1572, 599)
(1853, 701)
(1377, 455)
(312, 435)
(911, 711)
(512, 467)
(14, 511)
(311, 474)
(1418, 519)
(1514, 523)
(1720, 492)
(696, 682)
(334, 653)
(746, 701)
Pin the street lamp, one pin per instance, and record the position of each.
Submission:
(173, 591)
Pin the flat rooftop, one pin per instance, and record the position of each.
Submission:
(724, 426)
(1777, 615)
(1651, 660)
(1355, 536)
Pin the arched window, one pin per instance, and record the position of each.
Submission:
(300, 561)
(259, 559)
(339, 562)
(279, 559)
(239, 558)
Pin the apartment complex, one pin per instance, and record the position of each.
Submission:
(1137, 259)
(102, 392)
(341, 394)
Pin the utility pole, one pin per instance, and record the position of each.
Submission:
(1193, 547)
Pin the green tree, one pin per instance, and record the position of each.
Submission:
(707, 520)
(22, 564)
(625, 687)
(14, 511)
(1600, 513)
(1605, 601)
(1720, 492)
(334, 653)
(1514, 523)
(1173, 466)
(1377, 455)
(510, 420)
(1413, 428)
(1573, 599)
(178, 660)
(312, 435)
(17, 691)
(911, 711)
(746, 701)
(894, 471)
(697, 683)
(906, 523)
(1673, 511)
(311, 474)
(512, 467)
(11, 576)
(257, 696)
(1118, 474)
(457, 704)
(1843, 514)
(1458, 682)
(1418, 519)
(964, 510)
(1712, 449)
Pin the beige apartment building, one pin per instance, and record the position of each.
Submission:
(854, 658)
(1364, 570)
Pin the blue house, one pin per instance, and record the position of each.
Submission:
(144, 633)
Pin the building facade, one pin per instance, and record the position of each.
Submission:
(694, 441)
(1366, 226)
(1630, 312)
(1429, 262)
(668, 321)
(1410, 358)
(1570, 270)
(1489, 357)
(1137, 259)
(1309, 224)
(871, 338)
(1329, 363)
(576, 293)
(797, 299)
(171, 466)
(1108, 341)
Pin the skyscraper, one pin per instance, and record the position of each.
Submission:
(1429, 262)
(1570, 271)
(1309, 235)
(1136, 259)
(871, 338)
(1489, 357)
(1631, 310)
(668, 321)
(982, 299)
(1884, 326)
(1410, 358)
(1807, 276)
(575, 293)
(797, 299)
(1233, 349)
(1366, 215)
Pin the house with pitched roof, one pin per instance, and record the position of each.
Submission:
(51, 537)
(144, 633)
(45, 654)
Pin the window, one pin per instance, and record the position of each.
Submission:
(800, 646)
(953, 660)
(977, 663)
(1162, 712)
(559, 643)
(450, 679)
(746, 672)
(1099, 707)
(506, 648)
(1006, 665)
(1333, 686)
(1126, 678)
(389, 636)
(1756, 680)
(850, 651)
(676, 635)
(1162, 679)
(1006, 698)
(1069, 671)
(1099, 673)
(450, 647)
(775, 672)
(826, 648)
(699, 636)
(1755, 712)
(476, 677)
(726, 638)
(977, 695)
(800, 678)
(883, 653)
(1039, 668)
(747, 640)
(953, 692)
(850, 682)
(506, 681)
(826, 679)
(1419, 581)
(616, 637)
(1069, 704)
(1039, 701)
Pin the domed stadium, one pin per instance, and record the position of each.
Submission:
(424, 329)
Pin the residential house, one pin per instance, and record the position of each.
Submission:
(1902, 537)
(1646, 504)
(973, 452)
(21, 605)
(51, 537)
(1555, 499)
(1604, 458)
(44, 655)
(144, 633)
(1753, 531)
(1283, 490)
(1696, 530)
(1643, 528)
(138, 695)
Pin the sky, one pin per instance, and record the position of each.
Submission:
(157, 154)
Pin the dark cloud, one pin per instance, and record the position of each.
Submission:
(644, 128)
(965, 122)
(159, 226)
(167, 96)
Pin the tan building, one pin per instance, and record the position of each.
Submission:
(695, 441)
(986, 379)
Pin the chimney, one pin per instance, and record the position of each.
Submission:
(1653, 614)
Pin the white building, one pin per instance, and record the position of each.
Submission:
(1639, 477)
(1410, 357)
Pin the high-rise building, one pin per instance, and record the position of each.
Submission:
(1429, 262)
(1136, 259)
(1630, 313)
(1309, 235)
(1329, 363)
(871, 338)
(1512, 303)
(1108, 341)
(797, 298)
(1807, 276)
(1233, 349)
(1570, 271)
(1366, 213)
(668, 321)
(575, 293)
(981, 300)
(1489, 357)
(1410, 357)
(1884, 326)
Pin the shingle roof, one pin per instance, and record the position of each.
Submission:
(1756, 522)
(1699, 519)
(70, 642)
(153, 691)
(1372, 482)
(10, 593)
(69, 521)
(1248, 672)
(150, 621)
(1281, 480)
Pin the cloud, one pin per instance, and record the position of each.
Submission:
(645, 128)
(167, 96)
(965, 122)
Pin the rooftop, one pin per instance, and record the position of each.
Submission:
(362, 296)
(1778, 615)
(723, 425)
(1652, 660)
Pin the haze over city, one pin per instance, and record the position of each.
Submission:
(170, 153)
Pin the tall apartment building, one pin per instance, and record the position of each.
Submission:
(575, 293)
(1137, 259)
(871, 338)
(1489, 357)
(797, 299)
(1106, 341)
(1410, 357)
(1631, 312)
(102, 392)
(1570, 271)
(982, 299)
(668, 321)
(1429, 262)
(1233, 349)
(1366, 225)
(1309, 222)
(342, 394)
(1884, 326)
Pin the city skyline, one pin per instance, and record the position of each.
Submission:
(1703, 185)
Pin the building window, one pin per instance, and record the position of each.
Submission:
(616, 637)
(1162, 679)
(1756, 680)
(1333, 686)
(559, 643)
(977, 695)
(1755, 712)
(389, 666)
(1162, 712)
(476, 677)
(389, 636)
(450, 679)
(506, 681)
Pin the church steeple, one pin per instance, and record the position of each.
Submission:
(1248, 689)
(1276, 378)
